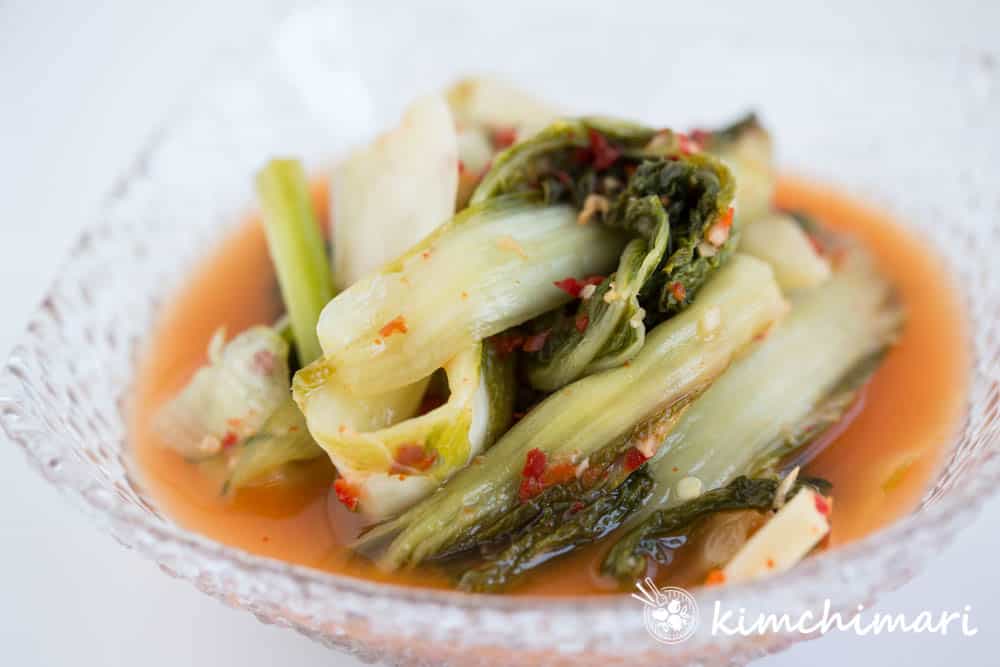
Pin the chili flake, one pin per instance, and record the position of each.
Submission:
(395, 325)
(602, 154)
(702, 137)
(506, 343)
(574, 287)
(534, 463)
(822, 505)
(537, 475)
(688, 145)
(412, 456)
(582, 322)
(678, 290)
(536, 342)
(715, 577)
(634, 458)
(558, 474)
(347, 493)
(229, 439)
(571, 286)
(718, 233)
(503, 137)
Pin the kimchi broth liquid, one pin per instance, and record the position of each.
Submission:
(879, 465)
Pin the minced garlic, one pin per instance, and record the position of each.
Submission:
(689, 488)
(591, 206)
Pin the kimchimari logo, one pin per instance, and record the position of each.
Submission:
(671, 616)
(669, 613)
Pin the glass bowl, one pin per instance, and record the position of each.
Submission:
(910, 129)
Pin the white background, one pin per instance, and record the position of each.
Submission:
(81, 85)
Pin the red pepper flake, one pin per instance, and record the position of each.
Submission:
(701, 136)
(576, 507)
(412, 456)
(678, 290)
(634, 458)
(718, 233)
(426, 254)
(229, 439)
(559, 473)
(534, 463)
(582, 322)
(573, 287)
(395, 325)
(503, 137)
(688, 145)
(715, 577)
(770, 563)
(537, 475)
(727, 219)
(506, 343)
(536, 342)
(347, 493)
(822, 505)
(602, 153)
(531, 475)
(461, 168)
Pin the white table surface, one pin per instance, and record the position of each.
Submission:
(81, 85)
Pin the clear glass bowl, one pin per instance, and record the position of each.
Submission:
(911, 129)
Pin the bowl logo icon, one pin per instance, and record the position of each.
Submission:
(670, 614)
